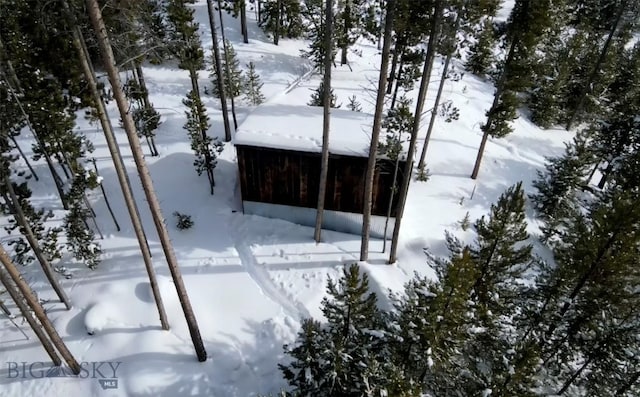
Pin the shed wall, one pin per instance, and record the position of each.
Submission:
(290, 178)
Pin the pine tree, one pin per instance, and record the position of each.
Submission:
(501, 255)
(481, 55)
(80, 238)
(235, 81)
(558, 186)
(318, 95)
(353, 104)
(205, 148)
(282, 18)
(253, 86)
(312, 11)
(527, 22)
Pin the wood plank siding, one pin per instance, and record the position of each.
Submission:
(290, 177)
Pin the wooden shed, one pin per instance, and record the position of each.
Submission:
(279, 154)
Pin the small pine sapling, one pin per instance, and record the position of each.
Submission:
(183, 221)
(318, 95)
(354, 105)
(253, 86)
(465, 222)
(423, 174)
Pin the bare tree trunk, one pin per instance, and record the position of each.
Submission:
(375, 134)
(390, 207)
(22, 221)
(38, 310)
(346, 25)
(326, 102)
(243, 21)
(259, 11)
(397, 87)
(218, 66)
(24, 157)
(422, 95)
(26, 313)
(276, 33)
(596, 69)
(443, 79)
(394, 66)
(106, 199)
(154, 205)
(228, 75)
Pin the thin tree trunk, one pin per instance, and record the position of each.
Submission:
(5, 309)
(390, 207)
(375, 133)
(276, 33)
(259, 11)
(154, 205)
(228, 74)
(22, 221)
(104, 195)
(443, 79)
(381, 33)
(422, 95)
(243, 21)
(203, 132)
(218, 67)
(151, 140)
(38, 310)
(26, 313)
(397, 87)
(345, 26)
(494, 105)
(594, 73)
(394, 66)
(605, 175)
(326, 102)
(24, 157)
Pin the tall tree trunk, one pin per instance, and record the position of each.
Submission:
(346, 25)
(218, 66)
(422, 95)
(259, 11)
(38, 310)
(243, 21)
(26, 313)
(228, 74)
(11, 71)
(596, 69)
(23, 222)
(326, 102)
(436, 104)
(154, 205)
(375, 133)
(496, 101)
(276, 33)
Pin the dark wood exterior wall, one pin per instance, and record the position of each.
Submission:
(290, 177)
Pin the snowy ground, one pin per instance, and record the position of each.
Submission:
(250, 279)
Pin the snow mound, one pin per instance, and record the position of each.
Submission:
(99, 315)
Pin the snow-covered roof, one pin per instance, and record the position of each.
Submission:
(299, 127)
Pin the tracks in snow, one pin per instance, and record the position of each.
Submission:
(260, 274)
